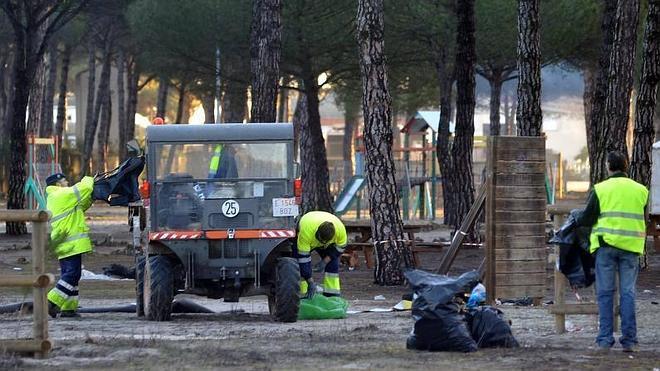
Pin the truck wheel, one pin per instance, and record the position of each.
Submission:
(139, 285)
(158, 288)
(283, 305)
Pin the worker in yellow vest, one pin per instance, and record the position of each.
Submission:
(69, 238)
(223, 162)
(616, 210)
(324, 233)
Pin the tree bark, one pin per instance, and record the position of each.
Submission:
(61, 99)
(133, 79)
(91, 128)
(300, 118)
(121, 104)
(622, 65)
(265, 50)
(392, 255)
(445, 82)
(315, 175)
(181, 103)
(461, 152)
(351, 112)
(595, 143)
(104, 127)
(235, 102)
(528, 115)
(161, 103)
(36, 100)
(91, 91)
(640, 169)
(208, 102)
(588, 77)
(46, 127)
(495, 100)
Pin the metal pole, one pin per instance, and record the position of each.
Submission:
(434, 181)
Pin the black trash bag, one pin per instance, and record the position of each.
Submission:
(489, 329)
(439, 323)
(120, 186)
(118, 270)
(575, 261)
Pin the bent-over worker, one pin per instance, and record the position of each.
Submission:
(69, 238)
(324, 233)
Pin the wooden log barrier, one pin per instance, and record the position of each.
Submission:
(40, 281)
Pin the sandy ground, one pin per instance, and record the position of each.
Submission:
(242, 335)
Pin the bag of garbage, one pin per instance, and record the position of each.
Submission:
(477, 297)
(322, 307)
(489, 329)
(439, 323)
(575, 261)
(119, 187)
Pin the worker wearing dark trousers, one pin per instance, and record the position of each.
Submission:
(324, 233)
(69, 238)
(616, 211)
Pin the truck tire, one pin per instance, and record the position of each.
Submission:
(284, 303)
(158, 288)
(139, 285)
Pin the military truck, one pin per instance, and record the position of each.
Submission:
(222, 201)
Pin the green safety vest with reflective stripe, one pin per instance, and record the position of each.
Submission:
(215, 161)
(621, 221)
(307, 227)
(69, 232)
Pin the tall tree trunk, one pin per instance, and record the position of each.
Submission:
(461, 151)
(392, 255)
(622, 66)
(445, 82)
(528, 114)
(133, 79)
(22, 70)
(300, 119)
(640, 170)
(509, 114)
(495, 83)
(265, 50)
(61, 99)
(46, 127)
(351, 112)
(121, 104)
(589, 79)
(6, 124)
(161, 103)
(36, 100)
(181, 103)
(104, 128)
(90, 129)
(208, 102)
(315, 175)
(283, 103)
(91, 91)
(595, 143)
(234, 102)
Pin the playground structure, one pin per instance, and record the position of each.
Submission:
(42, 160)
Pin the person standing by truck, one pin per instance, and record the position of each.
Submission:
(69, 238)
(324, 233)
(616, 210)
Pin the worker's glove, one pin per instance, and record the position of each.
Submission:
(311, 289)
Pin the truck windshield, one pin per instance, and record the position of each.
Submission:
(222, 160)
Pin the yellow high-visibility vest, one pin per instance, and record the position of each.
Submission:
(621, 221)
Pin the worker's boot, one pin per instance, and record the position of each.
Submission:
(69, 314)
(53, 310)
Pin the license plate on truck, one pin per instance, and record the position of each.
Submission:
(285, 207)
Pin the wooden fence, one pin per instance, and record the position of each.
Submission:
(40, 281)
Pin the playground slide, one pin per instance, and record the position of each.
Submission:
(347, 195)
